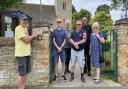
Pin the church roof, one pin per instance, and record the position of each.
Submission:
(33, 10)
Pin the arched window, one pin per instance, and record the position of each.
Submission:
(64, 4)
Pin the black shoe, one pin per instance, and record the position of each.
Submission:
(55, 78)
(68, 71)
(89, 73)
(82, 78)
(85, 71)
(64, 77)
(65, 72)
(72, 77)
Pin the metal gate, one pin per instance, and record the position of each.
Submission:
(109, 68)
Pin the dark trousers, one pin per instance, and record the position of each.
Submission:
(87, 67)
(68, 56)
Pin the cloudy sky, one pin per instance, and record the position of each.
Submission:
(90, 5)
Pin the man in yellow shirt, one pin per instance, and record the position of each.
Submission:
(22, 50)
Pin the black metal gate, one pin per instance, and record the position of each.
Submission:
(109, 68)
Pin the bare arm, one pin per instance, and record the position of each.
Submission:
(27, 39)
(84, 39)
(55, 43)
(72, 42)
(102, 40)
(81, 42)
(75, 44)
(63, 43)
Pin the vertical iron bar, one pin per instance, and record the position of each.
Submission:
(40, 13)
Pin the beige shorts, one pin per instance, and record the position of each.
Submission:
(77, 56)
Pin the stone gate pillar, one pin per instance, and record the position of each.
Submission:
(122, 36)
(40, 58)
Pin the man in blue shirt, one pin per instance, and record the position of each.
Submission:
(77, 39)
(67, 46)
(59, 39)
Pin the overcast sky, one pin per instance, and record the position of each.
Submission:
(90, 5)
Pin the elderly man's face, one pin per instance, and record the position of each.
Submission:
(59, 23)
(23, 22)
(78, 25)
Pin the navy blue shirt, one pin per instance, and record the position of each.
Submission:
(76, 37)
(59, 36)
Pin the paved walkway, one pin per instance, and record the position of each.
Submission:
(77, 82)
(89, 84)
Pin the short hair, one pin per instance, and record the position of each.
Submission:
(96, 24)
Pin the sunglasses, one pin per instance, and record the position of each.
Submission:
(25, 20)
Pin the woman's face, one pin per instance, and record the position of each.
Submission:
(95, 29)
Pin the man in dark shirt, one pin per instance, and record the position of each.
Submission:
(77, 39)
(59, 39)
(86, 27)
(67, 46)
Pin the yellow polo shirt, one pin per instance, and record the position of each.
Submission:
(21, 48)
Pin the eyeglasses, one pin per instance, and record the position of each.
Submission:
(58, 21)
(84, 20)
(95, 27)
(78, 24)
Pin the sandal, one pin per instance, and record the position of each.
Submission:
(97, 81)
(94, 78)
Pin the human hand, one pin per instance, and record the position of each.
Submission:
(59, 49)
(76, 45)
(34, 35)
(97, 35)
(93, 33)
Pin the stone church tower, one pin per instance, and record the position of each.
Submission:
(63, 9)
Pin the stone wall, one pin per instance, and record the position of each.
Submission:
(122, 32)
(7, 62)
(39, 62)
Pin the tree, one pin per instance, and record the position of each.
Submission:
(79, 15)
(6, 4)
(120, 4)
(83, 13)
(116, 4)
(104, 8)
(73, 9)
(104, 20)
(75, 17)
